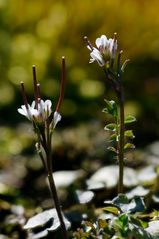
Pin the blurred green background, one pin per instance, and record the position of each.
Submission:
(41, 32)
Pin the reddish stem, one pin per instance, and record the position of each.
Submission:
(62, 86)
(24, 95)
(36, 95)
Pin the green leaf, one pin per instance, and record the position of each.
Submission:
(112, 149)
(110, 127)
(120, 199)
(123, 220)
(129, 146)
(129, 134)
(111, 108)
(112, 209)
(113, 137)
(129, 119)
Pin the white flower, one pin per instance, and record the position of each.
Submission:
(40, 112)
(57, 118)
(106, 50)
(44, 109)
(96, 56)
(28, 111)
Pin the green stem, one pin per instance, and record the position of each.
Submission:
(52, 184)
(121, 142)
(56, 202)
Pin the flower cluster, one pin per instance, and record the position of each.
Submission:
(105, 51)
(41, 113)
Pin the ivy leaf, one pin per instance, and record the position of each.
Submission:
(110, 127)
(129, 119)
(129, 134)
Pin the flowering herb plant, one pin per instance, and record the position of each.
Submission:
(44, 122)
(105, 54)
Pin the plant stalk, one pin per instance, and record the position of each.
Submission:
(56, 202)
(121, 141)
(52, 182)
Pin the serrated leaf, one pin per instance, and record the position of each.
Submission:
(110, 127)
(129, 134)
(129, 119)
(112, 209)
(129, 146)
(112, 149)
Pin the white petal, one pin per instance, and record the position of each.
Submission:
(104, 41)
(42, 104)
(34, 112)
(91, 60)
(33, 104)
(112, 48)
(47, 108)
(57, 118)
(98, 42)
(24, 108)
(41, 107)
(96, 55)
(101, 41)
(22, 112)
(48, 105)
